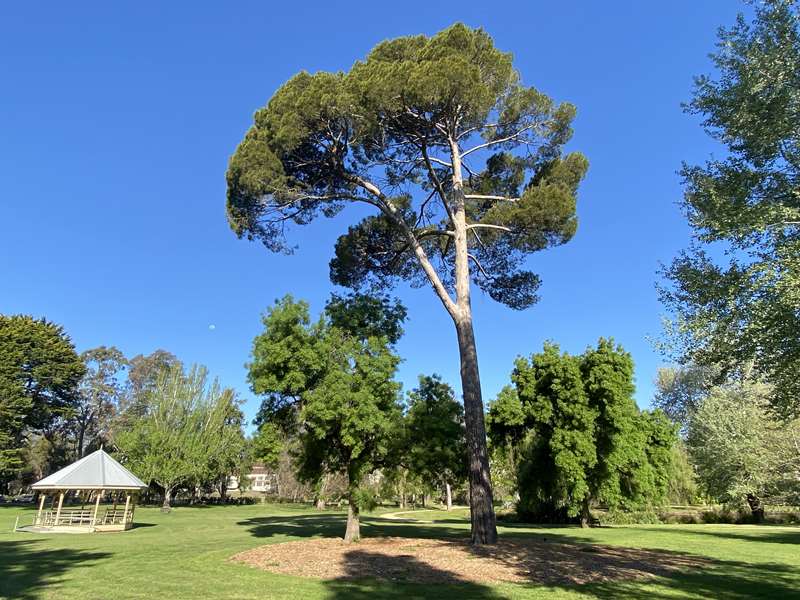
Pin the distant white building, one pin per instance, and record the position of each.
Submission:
(260, 479)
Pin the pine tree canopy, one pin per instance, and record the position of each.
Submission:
(390, 133)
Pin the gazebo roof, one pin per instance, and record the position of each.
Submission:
(95, 471)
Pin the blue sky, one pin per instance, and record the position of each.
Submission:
(117, 121)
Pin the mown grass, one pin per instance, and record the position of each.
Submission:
(185, 555)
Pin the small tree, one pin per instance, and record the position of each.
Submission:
(587, 441)
(334, 387)
(187, 433)
(742, 453)
(435, 429)
(560, 452)
(461, 164)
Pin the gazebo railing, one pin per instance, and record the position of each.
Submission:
(78, 516)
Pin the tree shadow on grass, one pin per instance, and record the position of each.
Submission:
(754, 533)
(395, 585)
(722, 580)
(26, 568)
(333, 525)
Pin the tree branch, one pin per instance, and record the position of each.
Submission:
(508, 138)
(490, 226)
(489, 197)
(479, 265)
(391, 211)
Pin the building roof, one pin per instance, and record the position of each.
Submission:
(95, 471)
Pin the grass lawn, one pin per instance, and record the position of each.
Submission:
(184, 555)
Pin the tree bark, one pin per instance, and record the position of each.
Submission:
(448, 495)
(756, 507)
(483, 520)
(166, 506)
(353, 531)
(586, 516)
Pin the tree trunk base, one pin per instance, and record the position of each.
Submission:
(353, 531)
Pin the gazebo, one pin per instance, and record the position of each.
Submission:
(91, 479)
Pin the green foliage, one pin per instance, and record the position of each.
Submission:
(745, 309)
(144, 373)
(743, 455)
(39, 375)
(505, 420)
(366, 316)
(324, 137)
(267, 444)
(631, 517)
(586, 440)
(560, 452)
(332, 387)
(435, 432)
(98, 396)
(192, 433)
(680, 390)
(682, 484)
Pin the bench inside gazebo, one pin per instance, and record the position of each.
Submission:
(92, 478)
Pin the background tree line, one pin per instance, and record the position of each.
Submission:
(173, 427)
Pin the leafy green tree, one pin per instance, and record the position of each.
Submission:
(144, 373)
(682, 484)
(560, 452)
(435, 431)
(743, 307)
(461, 164)
(187, 435)
(505, 422)
(267, 444)
(98, 396)
(586, 440)
(742, 453)
(634, 449)
(333, 387)
(39, 375)
(680, 390)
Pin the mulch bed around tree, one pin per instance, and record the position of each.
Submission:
(456, 561)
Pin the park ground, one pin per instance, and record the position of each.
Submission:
(188, 554)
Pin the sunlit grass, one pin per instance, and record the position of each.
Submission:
(185, 554)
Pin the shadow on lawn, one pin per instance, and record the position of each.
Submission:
(333, 525)
(755, 533)
(353, 586)
(558, 559)
(26, 568)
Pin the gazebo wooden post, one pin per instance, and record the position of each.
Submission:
(96, 507)
(41, 508)
(58, 511)
(125, 514)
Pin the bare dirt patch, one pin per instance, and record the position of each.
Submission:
(456, 561)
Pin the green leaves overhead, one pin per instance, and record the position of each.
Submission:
(386, 133)
(734, 293)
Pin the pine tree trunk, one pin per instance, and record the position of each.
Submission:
(484, 524)
(353, 531)
(449, 495)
